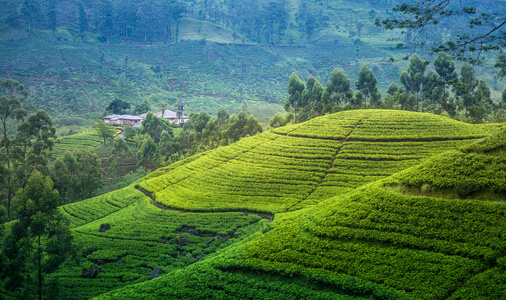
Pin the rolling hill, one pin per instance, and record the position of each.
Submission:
(375, 242)
(306, 211)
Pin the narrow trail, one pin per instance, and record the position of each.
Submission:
(267, 216)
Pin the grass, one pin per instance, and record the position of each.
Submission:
(299, 165)
(138, 242)
(86, 140)
(372, 242)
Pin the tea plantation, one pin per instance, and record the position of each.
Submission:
(86, 140)
(365, 204)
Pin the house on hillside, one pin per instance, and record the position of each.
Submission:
(169, 115)
(134, 121)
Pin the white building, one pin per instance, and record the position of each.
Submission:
(136, 121)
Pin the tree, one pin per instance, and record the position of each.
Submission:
(277, 121)
(155, 126)
(52, 16)
(141, 108)
(87, 173)
(83, 22)
(244, 107)
(30, 9)
(338, 87)
(433, 91)
(62, 179)
(445, 68)
(177, 8)
(367, 84)
(163, 107)
(121, 154)
(295, 95)
(148, 152)
(118, 107)
(40, 237)
(77, 175)
(412, 79)
(179, 115)
(105, 131)
(223, 116)
(34, 138)
(484, 33)
(11, 115)
(504, 95)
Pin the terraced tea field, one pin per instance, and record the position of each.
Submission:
(299, 165)
(342, 228)
(141, 238)
(86, 140)
(371, 243)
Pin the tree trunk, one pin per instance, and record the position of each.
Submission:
(7, 152)
(40, 270)
(177, 30)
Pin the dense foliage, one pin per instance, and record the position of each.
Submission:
(463, 97)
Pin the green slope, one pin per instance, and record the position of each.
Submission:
(374, 243)
(213, 198)
(299, 165)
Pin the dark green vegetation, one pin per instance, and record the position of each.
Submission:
(39, 242)
(207, 54)
(334, 236)
(370, 243)
(443, 91)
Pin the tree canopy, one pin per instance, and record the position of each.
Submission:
(485, 30)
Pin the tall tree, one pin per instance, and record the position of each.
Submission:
(83, 22)
(223, 115)
(178, 8)
(30, 9)
(486, 28)
(338, 87)
(34, 139)
(52, 16)
(40, 239)
(141, 108)
(445, 68)
(154, 127)
(412, 79)
(118, 107)
(12, 114)
(105, 131)
(367, 84)
(295, 95)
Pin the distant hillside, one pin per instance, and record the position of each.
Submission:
(370, 243)
(226, 198)
(205, 54)
(81, 79)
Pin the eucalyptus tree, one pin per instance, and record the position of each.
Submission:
(38, 244)
(295, 95)
(337, 89)
(367, 84)
(12, 114)
(413, 77)
(485, 30)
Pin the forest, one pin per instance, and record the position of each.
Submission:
(330, 149)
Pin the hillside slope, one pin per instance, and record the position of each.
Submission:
(299, 165)
(373, 243)
(222, 197)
